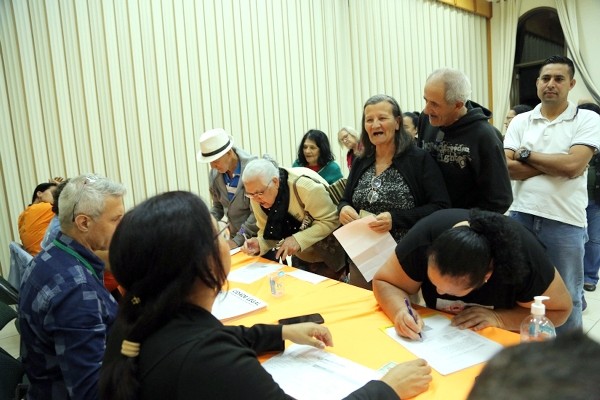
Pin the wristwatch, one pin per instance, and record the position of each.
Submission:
(523, 155)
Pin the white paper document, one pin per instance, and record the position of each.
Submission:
(307, 276)
(446, 348)
(305, 372)
(252, 272)
(236, 303)
(368, 249)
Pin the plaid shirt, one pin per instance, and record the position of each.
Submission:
(65, 314)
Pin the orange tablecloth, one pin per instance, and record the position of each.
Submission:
(355, 321)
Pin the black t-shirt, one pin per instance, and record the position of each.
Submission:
(411, 253)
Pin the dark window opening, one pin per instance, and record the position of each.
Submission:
(539, 36)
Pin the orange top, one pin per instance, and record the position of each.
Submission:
(33, 223)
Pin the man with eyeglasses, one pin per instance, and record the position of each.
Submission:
(65, 312)
(467, 148)
(295, 215)
(227, 164)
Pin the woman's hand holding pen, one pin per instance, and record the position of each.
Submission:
(251, 247)
(408, 325)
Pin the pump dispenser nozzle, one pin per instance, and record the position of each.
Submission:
(538, 308)
(537, 326)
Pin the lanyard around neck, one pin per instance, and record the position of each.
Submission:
(75, 254)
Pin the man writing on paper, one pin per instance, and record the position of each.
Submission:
(481, 266)
(294, 212)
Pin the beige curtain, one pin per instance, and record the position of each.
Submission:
(568, 22)
(504, 37)
(124, 87)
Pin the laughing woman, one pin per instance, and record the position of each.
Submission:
(315, 153)
(392, 179)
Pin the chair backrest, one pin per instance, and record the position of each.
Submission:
(7, 314)
(19, 259)
(8, 294)
(11, 376)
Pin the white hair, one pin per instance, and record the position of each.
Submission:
(456, 83)
(86, 194)
(261, 169)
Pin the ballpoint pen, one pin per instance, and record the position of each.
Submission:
(242, 231)
(412, 314)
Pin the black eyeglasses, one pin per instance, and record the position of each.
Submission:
(258, 194)
(373, 196)
(89, 179)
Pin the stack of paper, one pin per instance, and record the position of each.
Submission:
(330, 376)
(447, 348)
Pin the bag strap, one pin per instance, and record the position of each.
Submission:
(296, 189)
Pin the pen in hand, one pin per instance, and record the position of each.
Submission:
(412, 313)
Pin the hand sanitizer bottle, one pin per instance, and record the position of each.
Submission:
(537, 327)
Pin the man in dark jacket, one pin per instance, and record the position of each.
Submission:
(467, 148)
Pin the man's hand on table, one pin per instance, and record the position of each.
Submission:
(289, 247)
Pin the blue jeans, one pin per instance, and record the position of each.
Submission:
(591, 260)
(564, 247)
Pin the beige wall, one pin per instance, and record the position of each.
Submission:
(124, 88)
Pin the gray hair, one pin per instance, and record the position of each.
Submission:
(261, 169)
(351, 131)
(86, 194)
(458, 86)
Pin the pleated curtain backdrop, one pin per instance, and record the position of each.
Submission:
(124, 88)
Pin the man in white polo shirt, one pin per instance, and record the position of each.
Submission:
(227, 163)
(547, 153)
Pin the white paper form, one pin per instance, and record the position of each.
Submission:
(368, 249)
(307, 276)
(252, 272)
(446, 348)
(235, 303)
(305, 372)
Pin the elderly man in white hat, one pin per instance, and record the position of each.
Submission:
(227, 163)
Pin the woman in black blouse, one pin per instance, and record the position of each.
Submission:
(172, 260)
(393, 179)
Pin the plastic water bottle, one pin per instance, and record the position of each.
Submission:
(537, 327)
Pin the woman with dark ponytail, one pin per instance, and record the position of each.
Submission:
(173, 260)
(481, 266)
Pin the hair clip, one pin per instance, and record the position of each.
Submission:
(130, 349)
(135, 300)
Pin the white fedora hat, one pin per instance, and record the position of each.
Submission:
(213, 145)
